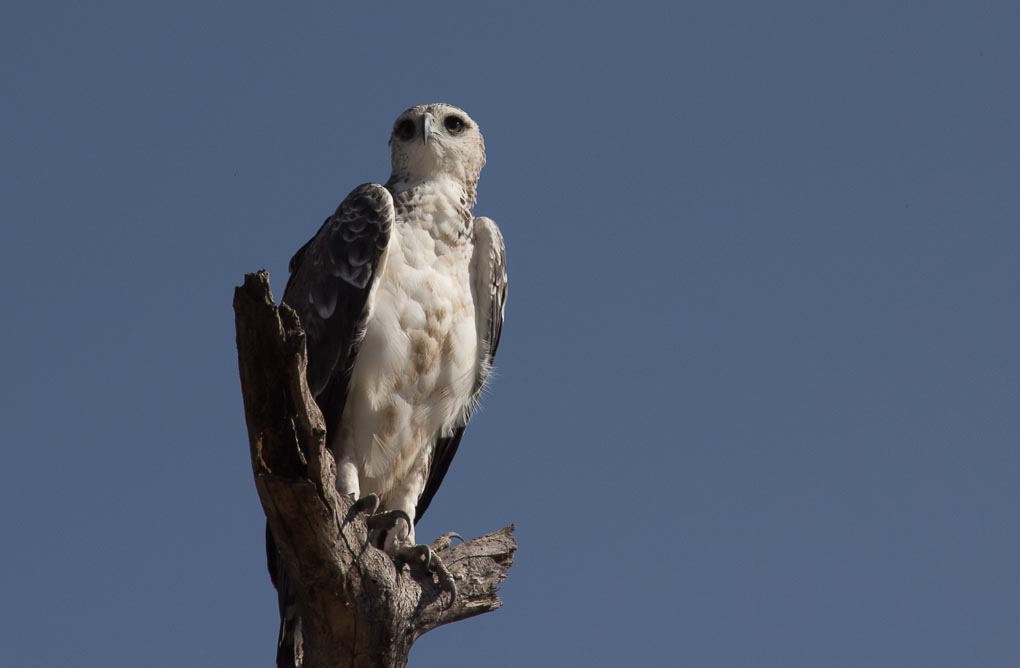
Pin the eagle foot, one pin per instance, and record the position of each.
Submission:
(386, 521)
(426, 555)
(389, 530)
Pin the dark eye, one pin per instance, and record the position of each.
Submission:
(404, 130)
(454, 124)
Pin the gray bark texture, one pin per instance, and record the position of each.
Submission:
(358, 607)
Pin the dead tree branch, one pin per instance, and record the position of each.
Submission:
(358, 608)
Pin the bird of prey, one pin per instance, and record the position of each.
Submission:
(401, 295)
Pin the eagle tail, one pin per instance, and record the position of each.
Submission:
(289, 646)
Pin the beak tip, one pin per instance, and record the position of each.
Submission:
(428, 122)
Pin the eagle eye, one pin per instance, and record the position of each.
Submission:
(405, 130)
(454, 123)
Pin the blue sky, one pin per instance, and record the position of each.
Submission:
(758, 390)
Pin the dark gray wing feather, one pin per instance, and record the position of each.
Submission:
(331, 281)
(489, 290)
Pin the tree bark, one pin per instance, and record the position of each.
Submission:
(357, 606)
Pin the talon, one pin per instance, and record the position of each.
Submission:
(444, 541)
(366, 504)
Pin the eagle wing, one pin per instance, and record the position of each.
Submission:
(331, 284)
(488, 290)
(331, 288)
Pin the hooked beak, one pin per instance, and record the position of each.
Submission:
(428, 126)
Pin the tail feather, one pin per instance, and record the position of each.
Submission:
(289, 646)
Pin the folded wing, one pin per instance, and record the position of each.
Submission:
(331, 285)
(489, 290)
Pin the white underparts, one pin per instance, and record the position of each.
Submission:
(418, 364)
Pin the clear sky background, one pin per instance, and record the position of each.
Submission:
(758, 401)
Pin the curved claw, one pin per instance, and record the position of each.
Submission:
(366, 504)
(444, 541)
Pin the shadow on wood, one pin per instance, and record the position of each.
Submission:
(357, 607)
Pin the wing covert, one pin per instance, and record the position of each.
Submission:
(330, 287)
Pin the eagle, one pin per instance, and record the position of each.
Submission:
(401, 295)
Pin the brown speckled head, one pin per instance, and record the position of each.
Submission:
(433, 140)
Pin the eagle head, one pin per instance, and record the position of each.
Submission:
(433, 140)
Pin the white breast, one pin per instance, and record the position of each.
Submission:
(416, 369)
